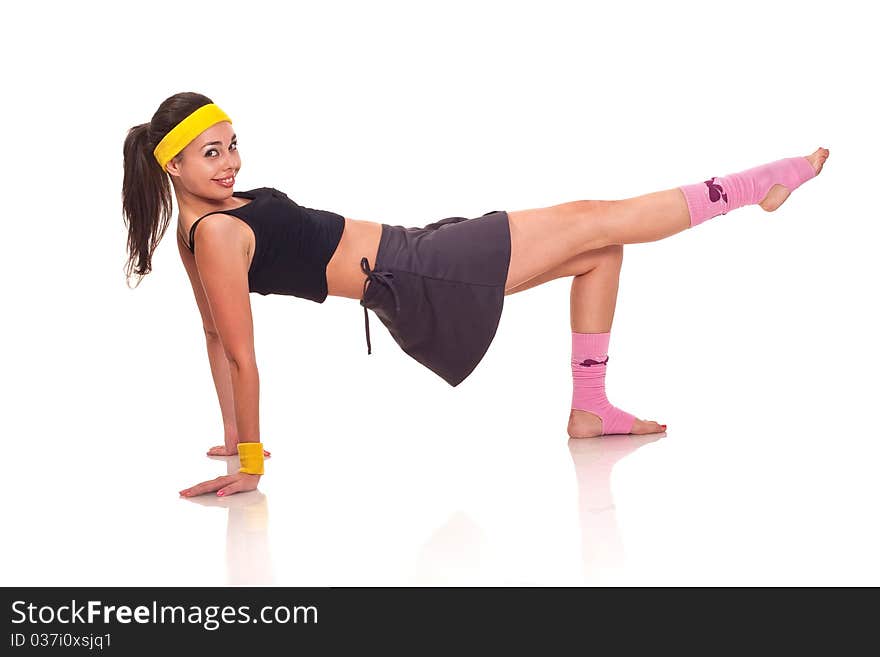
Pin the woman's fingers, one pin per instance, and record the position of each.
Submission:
(224, 485)
(234, 487)
(207, 486)
(242, 482)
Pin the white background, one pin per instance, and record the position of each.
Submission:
(753, 336)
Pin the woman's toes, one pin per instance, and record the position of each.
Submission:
(638, 427)
(642, 427)
(818, 158)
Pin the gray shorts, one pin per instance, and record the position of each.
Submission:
(439, 290)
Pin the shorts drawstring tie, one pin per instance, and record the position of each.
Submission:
(374, 277)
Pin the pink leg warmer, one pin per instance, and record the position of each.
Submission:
(589, 355)
(718, 196)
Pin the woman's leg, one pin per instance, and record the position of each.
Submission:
(548, 243)
(544, 238)
(593, 300)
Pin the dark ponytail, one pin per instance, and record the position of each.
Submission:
(146, 192)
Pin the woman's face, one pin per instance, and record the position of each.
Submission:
(208, 158)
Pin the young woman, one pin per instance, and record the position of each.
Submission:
(438, 289)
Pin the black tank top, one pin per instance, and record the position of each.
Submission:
(293, 243)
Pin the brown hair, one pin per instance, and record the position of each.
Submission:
(146, 192)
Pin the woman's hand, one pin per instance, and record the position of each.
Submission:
(229, 449)
(224, 485)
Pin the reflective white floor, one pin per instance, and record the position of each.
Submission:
(616, 511)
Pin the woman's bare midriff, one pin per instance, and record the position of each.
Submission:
(344, 275)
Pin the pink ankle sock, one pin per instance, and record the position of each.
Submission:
(589, 354)
(718, 196)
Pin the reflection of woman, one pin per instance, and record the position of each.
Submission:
(439, 289)
(601, 543)
(248, 558)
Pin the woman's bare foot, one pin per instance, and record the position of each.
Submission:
(778, 193)
(583, 424)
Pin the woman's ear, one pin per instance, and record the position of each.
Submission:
(173, 166)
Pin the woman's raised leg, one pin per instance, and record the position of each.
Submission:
(544, 238)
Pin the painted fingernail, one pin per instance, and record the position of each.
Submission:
(220, 492)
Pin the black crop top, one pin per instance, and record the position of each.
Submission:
(293, 243)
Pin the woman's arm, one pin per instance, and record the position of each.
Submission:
(222, 261)
(216, 356)
(223, 386)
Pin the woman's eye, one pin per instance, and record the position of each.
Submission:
(233, 146)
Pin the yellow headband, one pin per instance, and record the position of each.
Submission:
(187, 130)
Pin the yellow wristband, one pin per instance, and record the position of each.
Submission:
(251, 457)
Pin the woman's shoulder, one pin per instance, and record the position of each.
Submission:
(262, 190)
(265, 192)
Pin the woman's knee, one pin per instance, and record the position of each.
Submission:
(613, 255)
(595, 217)
(609, 256)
